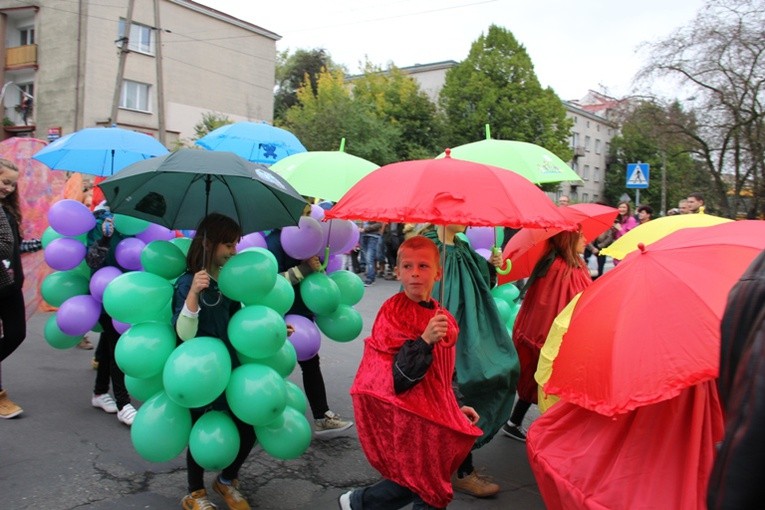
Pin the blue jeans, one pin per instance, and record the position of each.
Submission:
(386, 495)
(369, 244)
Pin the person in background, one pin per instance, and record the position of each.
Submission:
(644, 214)
(695, 203)
(13, 324)
(624, 221)
(563, 200)
(682, 206)
(371, 235)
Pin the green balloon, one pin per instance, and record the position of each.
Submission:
(197, 371)
(144, 348)
(143, 389)
(283, 361)
(129, 226)
(59, 286)
(247, 276)
(57, 338)
(256, 394)
(161, 429)
(350, 285)
(163, 258)
(214, 440)
(83, 269)
(507, 292)
(263, 251)
(286, 438)
(138, 296)
(257, 331)
(49, 235)
(320, 293)
(183, 244)
(296, 399)
(505, 309)
(343, 325)
(280, 298)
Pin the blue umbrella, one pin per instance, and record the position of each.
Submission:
(256, 142)
(99, 151)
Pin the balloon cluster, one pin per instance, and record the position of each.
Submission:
(506, 298)
(481, 239)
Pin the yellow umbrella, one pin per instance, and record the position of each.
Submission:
(654, 230)
(550, 352)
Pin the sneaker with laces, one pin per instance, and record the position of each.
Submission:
(8, 408)
(105, 402)
(231, 494)
(345, 501)
(475, 485)
(514, 432)
(127, 414)
(197, 500)
(331, 423)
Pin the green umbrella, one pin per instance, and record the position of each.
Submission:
(323, 174)
(178, 190)
(534, 162)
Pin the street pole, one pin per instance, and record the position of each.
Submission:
(121, 65)
(663, 183)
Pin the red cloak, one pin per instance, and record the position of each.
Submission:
(419, 437)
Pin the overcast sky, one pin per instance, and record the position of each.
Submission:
(575, 45)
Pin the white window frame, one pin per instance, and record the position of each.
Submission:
(135, 96)
(141, 38)
(587, 142)
(26, 35)
(597, 146)
(586, 173)
(596, 174)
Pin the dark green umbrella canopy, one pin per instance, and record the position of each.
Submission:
(178, 190)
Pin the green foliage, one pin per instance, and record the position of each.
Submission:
(496, 85)
(210, 122)
(296, 70)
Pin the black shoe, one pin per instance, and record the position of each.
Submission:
(514, 432)
(368, 283)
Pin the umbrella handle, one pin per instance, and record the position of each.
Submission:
(326, 258)
(507, 267)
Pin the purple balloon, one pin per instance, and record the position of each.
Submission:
(483, 252)
(70, 217)
(317, 212)
(121, 327)
(155, 232)
(64, 253)
(337, 233)
(335, 263)
(254, 240)
(302, 242)
(352, 241)
(480, 237)
(78, 315)
(101, 279)
(306, 338)
(128, 253)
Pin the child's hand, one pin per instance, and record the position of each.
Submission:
(107, 227)
(200, 282)
(470, 414)
(314, 263)
(290, 329)
(495, 259)
(436, 330)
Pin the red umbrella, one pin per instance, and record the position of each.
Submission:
(527, 246)
(448, 191)
(649, 328)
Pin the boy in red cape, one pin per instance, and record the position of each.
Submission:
(410, 425)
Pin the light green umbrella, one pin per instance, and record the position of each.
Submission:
(323, 174)
(532, 161)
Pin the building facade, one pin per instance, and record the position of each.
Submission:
(60, 63)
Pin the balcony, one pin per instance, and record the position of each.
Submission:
(21, 57)
(579, 151)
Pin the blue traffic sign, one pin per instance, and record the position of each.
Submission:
(637, 175)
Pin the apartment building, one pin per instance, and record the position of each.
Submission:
(60, 62)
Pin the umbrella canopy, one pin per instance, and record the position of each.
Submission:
(99, 151)
(256, 142)
(448, 191)
(323, 174)
(532, 161)
(654, 230)
(528, 245)
(649, 328)
(178, 190)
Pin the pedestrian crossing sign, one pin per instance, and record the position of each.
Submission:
(637, 175)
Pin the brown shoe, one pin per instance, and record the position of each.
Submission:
(85, 344)
(8, 408)
(231, 495)
(475, 485)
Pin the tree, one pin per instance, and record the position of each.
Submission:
(320, 121)
(644, 137)
(496, 85)
(210, 121)
(397, 99)
(720, 59)
(292, 71)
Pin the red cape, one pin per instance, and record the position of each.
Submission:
(656, 456)
(419, 437)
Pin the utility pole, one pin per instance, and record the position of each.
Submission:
(160, 79)
(663, 183)
(121, 65)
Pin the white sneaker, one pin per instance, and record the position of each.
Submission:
(127, 414)
(330, 424)
(345, 501)
(105, 402)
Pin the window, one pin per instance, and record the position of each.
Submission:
(574, 139)
(586, 173)
(26, 36)
(26, 88)
(575, 166)
(597, 146)
(135, 96)
(595, 197)
(141, 37)
(597, 128)
(608, 148)
(585, 197)
(588, 124)
(596, 175)
(576, 119)
(587, 143)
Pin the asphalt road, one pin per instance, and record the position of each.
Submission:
(63, 454)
